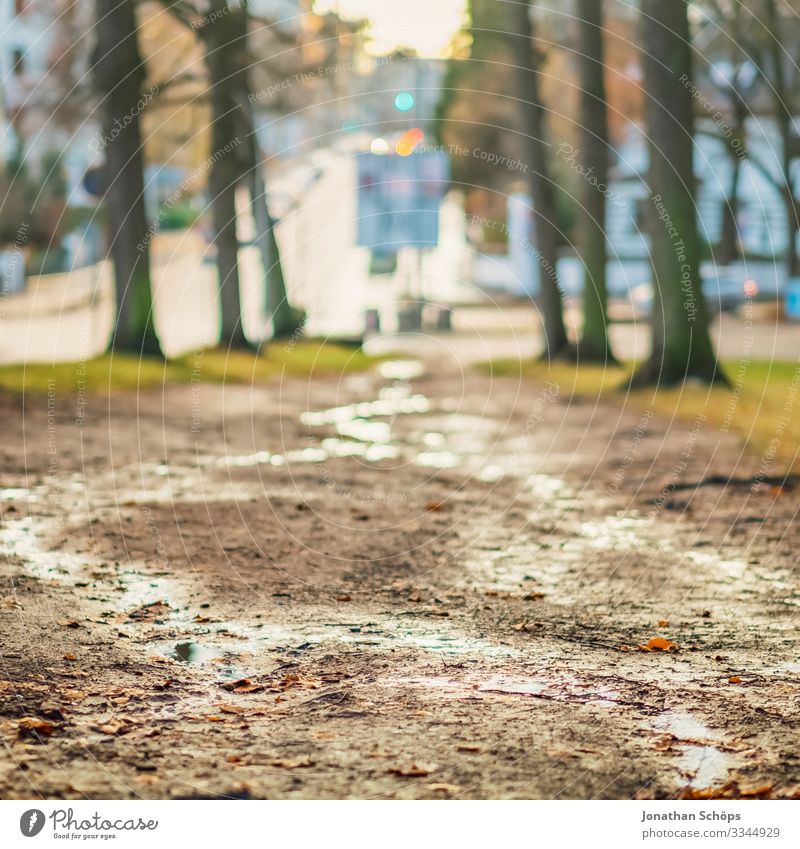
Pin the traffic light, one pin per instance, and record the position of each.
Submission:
(404, 102)
(409, 140)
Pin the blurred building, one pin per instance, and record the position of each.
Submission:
(44, 111)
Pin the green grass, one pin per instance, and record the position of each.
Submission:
(128, 372)
(762, 404)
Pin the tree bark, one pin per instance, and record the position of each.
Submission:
(284, 317)
(225, 39)
(594, 345)
(545, 226)
(118, 74)
(681, 346)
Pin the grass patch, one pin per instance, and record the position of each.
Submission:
(762, 404)
(213, 365)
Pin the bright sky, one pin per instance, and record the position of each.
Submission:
(426, 25)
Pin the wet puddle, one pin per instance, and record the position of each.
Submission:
(124, 588)
(699, 759)
(698, 754)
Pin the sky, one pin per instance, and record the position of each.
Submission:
(426, 25)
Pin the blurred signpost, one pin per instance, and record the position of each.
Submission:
(399, 199)
(398, 207)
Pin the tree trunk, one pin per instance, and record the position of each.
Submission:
(729, 238)
(285, 319)
(787, 193)
(681, 345)
(226, 58)
(783, 115)
(545, 227)
(118, 73)
(594, 345)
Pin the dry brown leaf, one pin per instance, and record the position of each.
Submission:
(35, 729)
(148, 612)
(243, 685)
(344, 597)
(412, 770)
(70, 657)
(116, 727)
(303, 682)
(731, 790)
(74, 695)
(756, 792)
(297, 763)
(450, 789)
(659, 644)
(559, 754)
(734, 679)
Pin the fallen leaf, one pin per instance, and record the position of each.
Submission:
(74, 695)
(659, 644)
(412, 770)
(116, 727)
(215, 719)
(450, 789)
(148, 612)
(292, 679)
(297, 763)
(344, 597)
(70, 657)
(35, 729)
(243, 685)
(731, 790)
(734, 679)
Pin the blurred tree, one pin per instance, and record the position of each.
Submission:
(770, 39)
(546, 233)
(225, 39)
(734, 81)
(681, 345)
(593, 146)
(237, 161)
(477, 111)
(118, 74)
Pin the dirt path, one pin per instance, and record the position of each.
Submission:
(392, 585)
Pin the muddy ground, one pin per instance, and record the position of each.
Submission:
(390, 584)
